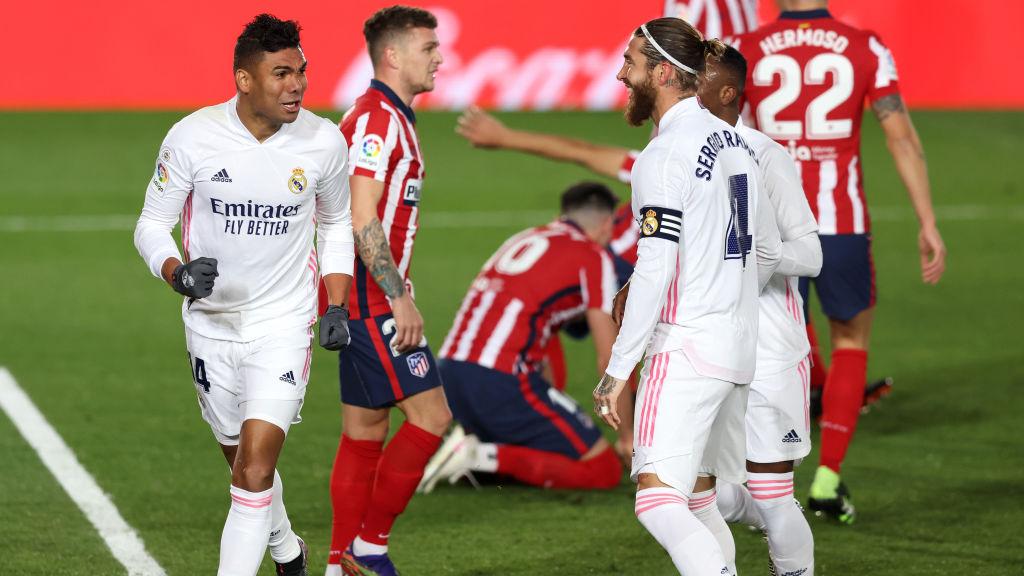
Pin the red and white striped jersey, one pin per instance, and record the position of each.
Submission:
(534, 283)
(808, 77)
(381, 132)
(723, 19)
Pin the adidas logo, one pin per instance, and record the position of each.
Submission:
(288, 377)
(791, 437)
(795, 572)
(221, 176)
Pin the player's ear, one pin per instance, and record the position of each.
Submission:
(391, 56)
(243, 80)
(728, 94)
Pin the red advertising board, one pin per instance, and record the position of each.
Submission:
(529, 54)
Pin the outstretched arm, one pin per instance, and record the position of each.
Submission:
(908, 154)
(485, 131)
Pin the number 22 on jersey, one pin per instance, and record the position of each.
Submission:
(816, 124)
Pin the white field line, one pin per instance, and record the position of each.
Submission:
(122, 540)
(489, 219)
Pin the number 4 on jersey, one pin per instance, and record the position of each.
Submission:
(737, 239)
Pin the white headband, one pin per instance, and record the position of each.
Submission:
(676, 63)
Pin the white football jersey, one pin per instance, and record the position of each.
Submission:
(704, 242)
(782, 337)
(255, 208)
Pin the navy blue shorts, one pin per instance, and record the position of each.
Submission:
(846, 285)
(372, 376)
(523, 410)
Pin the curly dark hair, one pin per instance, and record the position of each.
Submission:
(387, 23)
(265, 33)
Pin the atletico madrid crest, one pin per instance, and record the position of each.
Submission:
(418, 364)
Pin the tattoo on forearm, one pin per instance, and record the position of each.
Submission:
(376, 255)
(606, 386)
(888, 105)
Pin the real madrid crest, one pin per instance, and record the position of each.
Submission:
(650, 223)
(297, 181)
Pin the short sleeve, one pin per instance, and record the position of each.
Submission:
(371, 143)
(626, 169)
(885, 81)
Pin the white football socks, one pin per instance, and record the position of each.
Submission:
(284, 544)
(693, 549)
(737, 506)
(246, 532)
(789, 536)
(704, 507)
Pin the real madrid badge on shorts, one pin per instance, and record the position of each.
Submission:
(658, 222)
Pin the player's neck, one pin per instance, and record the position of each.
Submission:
(404, 93)
(258, 125)
(804, 5)
(665, 100)
(731, 116)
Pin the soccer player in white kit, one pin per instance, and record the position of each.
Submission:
(253, 179)
(705, 251)
(778, 418)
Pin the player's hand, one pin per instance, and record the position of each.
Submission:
(606, 400)
(408, 324)
(334, 333)
(619, 304)
(195, 279)
(481, 129)
(933, 254)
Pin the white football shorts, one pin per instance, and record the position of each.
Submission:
(778, 416)
(686, 424)
(264, 379)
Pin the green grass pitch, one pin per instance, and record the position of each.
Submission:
(937, 471)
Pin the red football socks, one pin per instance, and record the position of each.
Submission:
(553, 470)
(400, 471)
(841, 403)
(818, 371)
(355, 467)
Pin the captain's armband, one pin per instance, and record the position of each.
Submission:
(658, 222)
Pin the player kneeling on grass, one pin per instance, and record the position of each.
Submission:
(253, 179)
(518, 424)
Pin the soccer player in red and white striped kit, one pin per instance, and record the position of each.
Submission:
(388, 363)
(809, 76)
(492, 360)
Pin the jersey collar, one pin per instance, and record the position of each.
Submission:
(393, 98)
(681, 108)
(805, 14)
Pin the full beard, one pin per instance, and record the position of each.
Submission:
(640, 106)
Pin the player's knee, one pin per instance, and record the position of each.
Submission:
(435, 420)
(253, 476)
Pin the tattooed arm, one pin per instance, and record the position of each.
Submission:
(375, 254)
(908, 154)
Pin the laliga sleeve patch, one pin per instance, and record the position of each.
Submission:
(370, 153)
(160, 176)
(658, 222)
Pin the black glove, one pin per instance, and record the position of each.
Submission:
(195, 279)
(334, 328)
